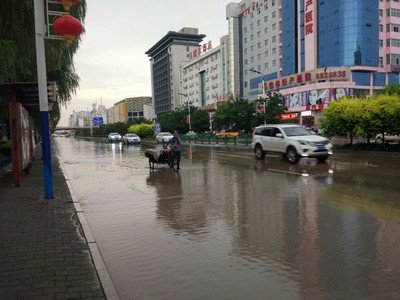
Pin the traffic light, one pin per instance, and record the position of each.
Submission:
(187, 120)
(261, 108)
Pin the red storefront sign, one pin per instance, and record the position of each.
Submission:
(307, 77)
(291, 116)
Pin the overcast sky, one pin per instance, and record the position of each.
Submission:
(111, 61)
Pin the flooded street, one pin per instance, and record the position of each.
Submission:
(230, 227)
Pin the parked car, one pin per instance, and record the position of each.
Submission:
(229, 134)
(114, 137)
(293, 141)
(164, 137)
(131, 138)
(389, 138)
(63, 133)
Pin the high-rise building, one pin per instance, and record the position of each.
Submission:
(166, 56)
(314, 51)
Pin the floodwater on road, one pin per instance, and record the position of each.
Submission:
(230, 227)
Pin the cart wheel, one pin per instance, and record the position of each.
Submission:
(175, 164)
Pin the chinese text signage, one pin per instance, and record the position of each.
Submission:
(322, 74)
(200, 50)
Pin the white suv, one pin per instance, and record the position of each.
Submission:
(291, 140)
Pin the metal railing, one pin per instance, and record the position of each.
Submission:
(244, 140)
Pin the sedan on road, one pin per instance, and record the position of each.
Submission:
(131, 139)
(114, 137)
(164, 137)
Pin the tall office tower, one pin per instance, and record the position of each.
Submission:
(166, 56)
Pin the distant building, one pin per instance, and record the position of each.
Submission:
(79, 119)
(84, 118)
(130, 109)
(166, 57)
(110, 115)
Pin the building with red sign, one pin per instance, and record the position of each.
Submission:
(204, 80)
(313, 51)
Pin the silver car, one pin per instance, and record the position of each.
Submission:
(164, 137)
(131, 139)
(114, 137)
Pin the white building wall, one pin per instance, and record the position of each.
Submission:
(179, 54)
(260, 36)
(148, 112)
(211, 65)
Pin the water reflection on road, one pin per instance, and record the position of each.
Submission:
(230, 227)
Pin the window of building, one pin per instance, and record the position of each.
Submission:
(258, 33)
(380, 27)
(266, 42)
(274, 63)
(274, 26)
(258, 45)
(259, 56)
(381, 61)
(251, 48)
(273, 51)
(274, 39)
(274, 15)
(380, 43)
(245, 29)
(258, 22)
(252, 59)
(251, 37)
(393, 42)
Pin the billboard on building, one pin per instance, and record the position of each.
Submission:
(315, 99)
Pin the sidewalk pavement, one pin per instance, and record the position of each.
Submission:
(43, 251)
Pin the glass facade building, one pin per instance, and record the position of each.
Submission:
(348, 33)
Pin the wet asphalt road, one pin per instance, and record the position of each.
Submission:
(230, 227)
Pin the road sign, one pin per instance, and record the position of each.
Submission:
(97, 121)
(157, 128)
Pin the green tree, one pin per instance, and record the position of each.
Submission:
(143, 130)
(174, 120)
(200, 120)
(18, 56)
(223, 118)
(385, 112)
(274, 107)
(390, 90)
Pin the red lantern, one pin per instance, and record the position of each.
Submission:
(67, 3)
(68, 27)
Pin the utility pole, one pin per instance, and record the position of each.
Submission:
(43, 97)
(263, 90)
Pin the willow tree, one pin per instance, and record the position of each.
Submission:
(18, 56)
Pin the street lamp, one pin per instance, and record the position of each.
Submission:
(187, 96)
(263, 88)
